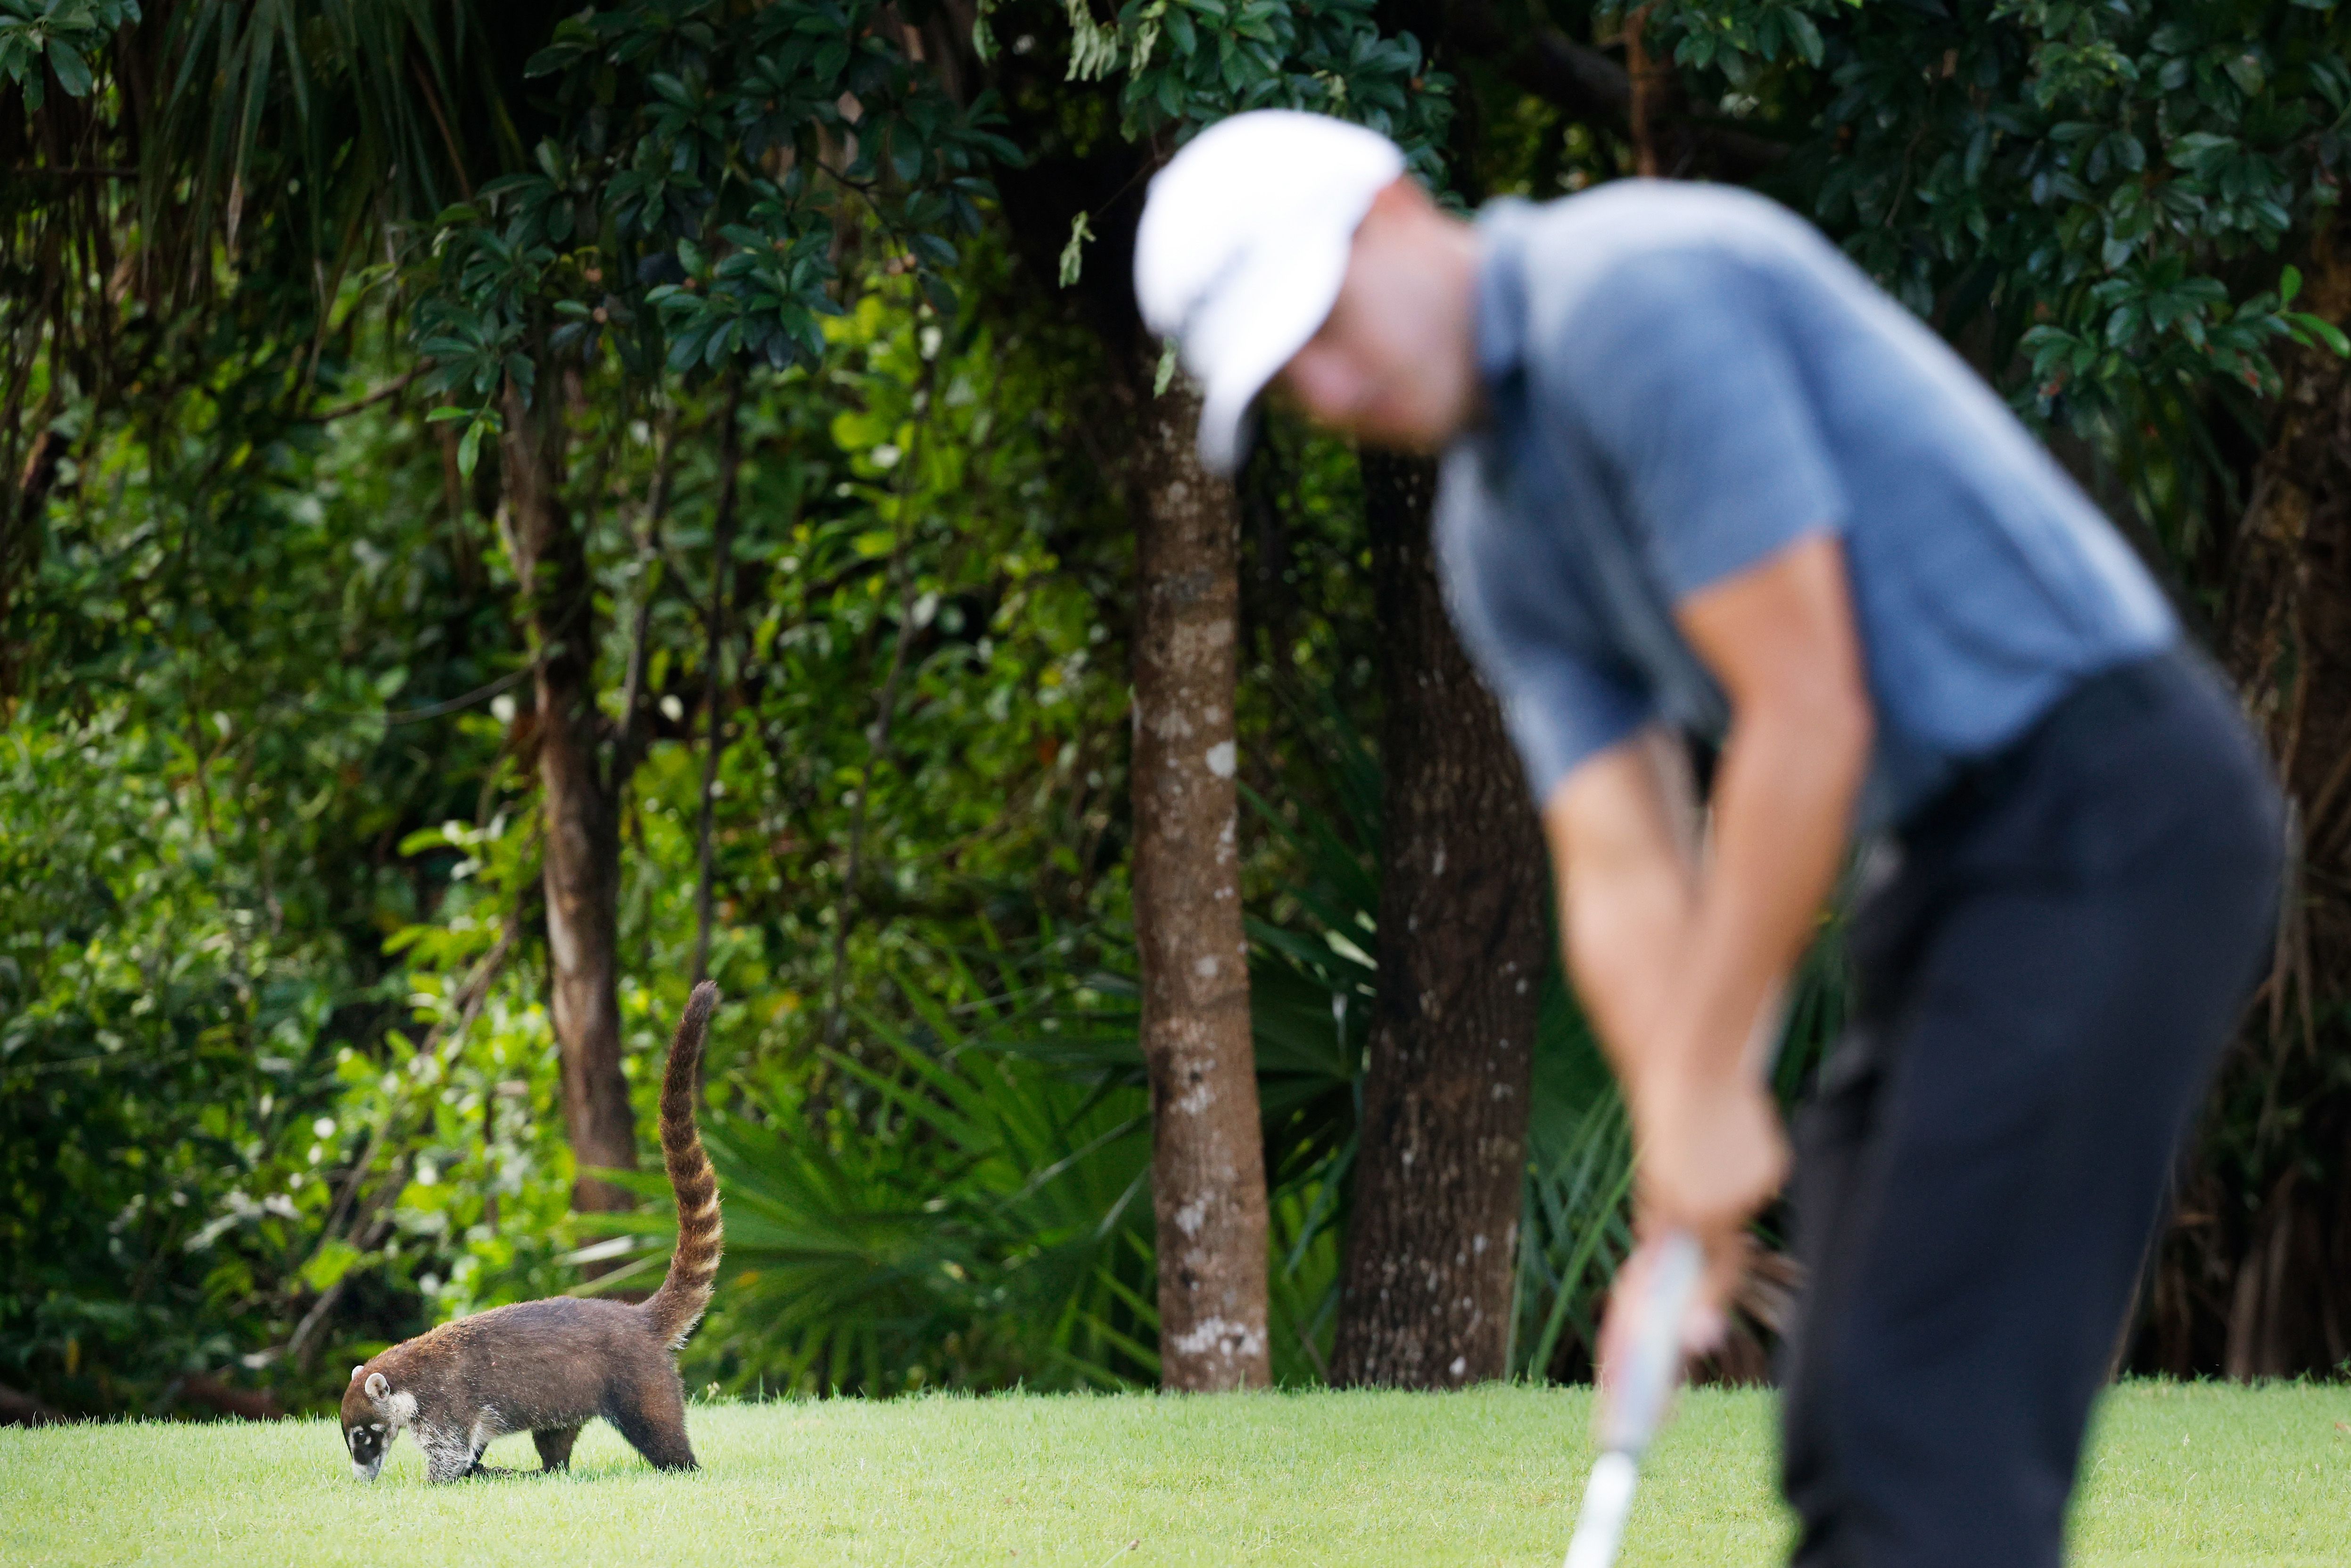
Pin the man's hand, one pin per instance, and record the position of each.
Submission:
(1712, 1153)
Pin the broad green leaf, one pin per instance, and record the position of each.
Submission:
(73, 72)
(1807, 36)
(2325, 331)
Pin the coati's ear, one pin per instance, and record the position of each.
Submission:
(357, 1370)
(376, 1386)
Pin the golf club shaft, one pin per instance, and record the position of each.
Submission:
(1637, 1403)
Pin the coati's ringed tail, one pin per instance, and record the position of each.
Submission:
(547, 1367)
(687, 1289)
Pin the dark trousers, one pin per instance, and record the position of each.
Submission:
(2044, 981)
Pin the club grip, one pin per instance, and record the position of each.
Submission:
(1653, 1363)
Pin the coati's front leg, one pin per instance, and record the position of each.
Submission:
(554, 1445)
(448, 1456)
(454, 1455)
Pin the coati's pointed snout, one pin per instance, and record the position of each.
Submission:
(368, 1443)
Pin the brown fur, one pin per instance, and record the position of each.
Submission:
(547, 1367)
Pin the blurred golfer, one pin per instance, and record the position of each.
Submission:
(1701, 478)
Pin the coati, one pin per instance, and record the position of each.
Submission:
(546, 1366)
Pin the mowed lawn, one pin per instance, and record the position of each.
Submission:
(2182, 1474)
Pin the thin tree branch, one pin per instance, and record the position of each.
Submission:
(2319, 824)
(722, 545)
(448, 140)
(631, 736)
(474, 993)
(506, 682)
(1645, 79)
(1587, 84)
(71, 172)
(391, 388)
(367, 1231)
(878, 736)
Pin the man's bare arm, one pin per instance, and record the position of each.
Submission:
(1676, 982)
(1782, 639)
(1627, 822)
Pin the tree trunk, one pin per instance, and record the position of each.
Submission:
(1208, 1154)
(23, 526)
(1441, 1172)
(2252, 1280)
(578, 805)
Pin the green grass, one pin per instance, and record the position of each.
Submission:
(2182, 1474)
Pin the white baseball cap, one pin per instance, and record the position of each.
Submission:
(1243, 246)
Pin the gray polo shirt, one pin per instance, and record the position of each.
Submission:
(1683, 380)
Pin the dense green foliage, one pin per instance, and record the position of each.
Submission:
(683, 215)
(2097, 194)
(203, 796)
(999, 764)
